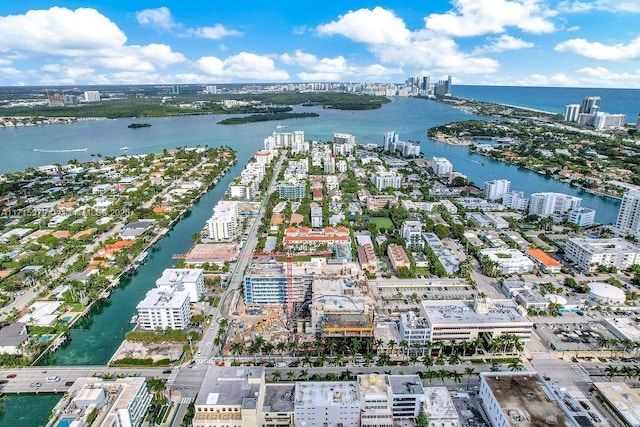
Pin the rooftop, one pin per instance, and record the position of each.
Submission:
(463, 312)
(229, 386)
(321, 394)
(279, 398)
(624, 399)
(438, 404)
(406, 384)
(524, 400)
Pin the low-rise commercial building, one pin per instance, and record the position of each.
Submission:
(519, 399)
(621, 402)
(508, 261)
(326, 403)
(543, 261)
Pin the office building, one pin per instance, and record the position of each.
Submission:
(164, 308)
(621, 402)
(462, 320)
(376, 401)
(571, 112)
(441, 166)
(92, 96)
(211, 90)
(327, 403)
(443, 87)
(588, 254)
(441, 412)
(628, 221)
(408, 396)
(496, 189)
(550, 204)
(519, 399)
(515, 200)
(230, 397)
(188, 279)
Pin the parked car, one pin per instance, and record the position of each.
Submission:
(11, 376)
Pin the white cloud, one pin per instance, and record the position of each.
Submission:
(59, 31)
(158, 18)
(82, 36)
(478, 17)
(388, 38)
(216, 32)
(333, 69)
(245, 65)
(584, 77)
(376, 27)
(10, 71)
(162, 19)
(574, 28)
(503, 43)
(601, 51)
(615, 6)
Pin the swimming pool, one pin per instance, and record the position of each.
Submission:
(46, 337)
(64, 422)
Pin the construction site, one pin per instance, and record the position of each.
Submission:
(287, 299)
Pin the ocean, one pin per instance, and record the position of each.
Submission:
(554, 99)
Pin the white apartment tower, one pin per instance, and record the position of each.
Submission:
(164, 308)
(441, 166)
(222, 226)
(628, 221)
(92, 96)
(571, 112)
(496, 189)
(515, 200)
(548, 204)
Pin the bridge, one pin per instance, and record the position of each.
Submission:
(33, 379)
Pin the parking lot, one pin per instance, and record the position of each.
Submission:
(572, 336)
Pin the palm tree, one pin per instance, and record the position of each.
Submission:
(346, 375)
(442, 374)
(290, 375)
(404, 345)
(469, 372)
(612, 371)
(331, 376)
(454, 358)
(414, 359)
(276, 376)
(293, 347)
(495, 367)
(516, 364)
(369, 358)
(391, 344)
(338, 359)
(303, 375)
(322, 359)
(237, 348)
(457, 376)
(306, 360)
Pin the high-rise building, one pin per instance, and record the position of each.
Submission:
(628, 221)
(441, 166)
(571, 112)
(638, 123)
(496, 189)
(515, 200)
(590, 105)
(548, 204)
(92, 96)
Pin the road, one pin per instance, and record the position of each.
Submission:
(207, 348)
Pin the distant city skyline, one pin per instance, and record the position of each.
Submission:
(576, 43)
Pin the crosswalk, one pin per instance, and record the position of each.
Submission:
(580, 371)
(186, 400)
(542, 355)
(577, 394)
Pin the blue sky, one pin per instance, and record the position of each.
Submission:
(582, 43)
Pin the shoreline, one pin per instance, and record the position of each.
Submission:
(115, 282)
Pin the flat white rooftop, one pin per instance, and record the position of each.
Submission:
(322, 394)
(463, 312)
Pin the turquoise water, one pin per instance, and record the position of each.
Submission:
(27, 410)
(97, 336)
(45, 338)
(64, 422)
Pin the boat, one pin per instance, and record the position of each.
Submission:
(139, 125)
(134, 319)
(105, 294)
(142, 257)
(72, 150)
(125, 148)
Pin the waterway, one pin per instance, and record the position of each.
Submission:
(94, 340)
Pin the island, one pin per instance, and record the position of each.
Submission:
(139, 125)
(265, 117)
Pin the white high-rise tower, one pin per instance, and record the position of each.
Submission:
(628, 221)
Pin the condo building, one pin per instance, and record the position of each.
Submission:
(223, 224)
(496, 189)
(188, 279)
(548, 204)
(441, 166)
(515, 200)
(628, 221)
(163, 308)
(588, 254)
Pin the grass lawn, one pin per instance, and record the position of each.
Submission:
(382, 222)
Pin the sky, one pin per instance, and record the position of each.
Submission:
(576, 43)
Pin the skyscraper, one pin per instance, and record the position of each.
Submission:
(571, 112)
(628, 221)
(590, 105)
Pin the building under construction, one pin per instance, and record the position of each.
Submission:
(341, 309)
